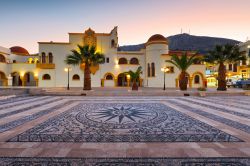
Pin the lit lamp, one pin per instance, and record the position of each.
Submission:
(164, 70)
(67, 69)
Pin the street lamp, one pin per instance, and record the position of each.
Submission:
(164, 70)
(67, 69)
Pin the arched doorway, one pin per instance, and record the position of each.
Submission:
(29, 79)
(3, 79)
(2, 58)
(16, 79)
(122, 80)
(198, 80)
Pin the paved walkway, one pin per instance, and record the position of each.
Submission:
(144, 129)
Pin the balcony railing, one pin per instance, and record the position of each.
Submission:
(45, 65)
(244, 66)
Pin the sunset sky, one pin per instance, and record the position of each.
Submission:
(25, 22)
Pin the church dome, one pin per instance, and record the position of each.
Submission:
(19, 50)
(157, 39)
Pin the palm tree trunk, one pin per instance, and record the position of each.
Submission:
(134, 86)
(222, 84)
(183, 81)
(87, 77)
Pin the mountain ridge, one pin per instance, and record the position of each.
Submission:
(185, 42)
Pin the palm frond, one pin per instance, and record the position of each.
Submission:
(224, 54)
(183, 62)
(84, 54)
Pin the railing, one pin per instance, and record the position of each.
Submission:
(244, 66)
(45, 65)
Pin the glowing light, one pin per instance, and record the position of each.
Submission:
(22, 73)
(116, 62)
(165, 69)
(248, 46)
(36, 74)
(66, 69)
(128, 76)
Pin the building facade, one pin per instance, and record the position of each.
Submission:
(235, 71)
(47, 69)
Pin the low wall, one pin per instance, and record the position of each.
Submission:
(13, 91)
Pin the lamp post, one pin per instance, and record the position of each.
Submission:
(164, 70)
(67, 69)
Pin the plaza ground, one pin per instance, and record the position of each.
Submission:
(129, 130)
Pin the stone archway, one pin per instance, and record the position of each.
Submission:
(16, 79)
(108, 80)
(3, 79)
(198, 82)
(122, 80)
(29, 79)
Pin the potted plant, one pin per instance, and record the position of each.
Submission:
(134, 76)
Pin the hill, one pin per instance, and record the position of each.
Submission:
(202, 44)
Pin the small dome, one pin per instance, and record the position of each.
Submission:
(157, 39)
(19, 50)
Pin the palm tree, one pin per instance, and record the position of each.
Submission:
(221, 55)
(88, 56)
(183, 63)
(134, 76)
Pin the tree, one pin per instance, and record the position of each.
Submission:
(183, 63)
(134, 76)
(88, 56)
(221, 55)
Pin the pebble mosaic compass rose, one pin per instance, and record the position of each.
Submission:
(119, 116)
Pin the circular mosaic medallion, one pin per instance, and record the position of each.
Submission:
(121, 117)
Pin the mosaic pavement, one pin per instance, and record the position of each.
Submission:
(137, 130)
(124, 122)
(126, 161)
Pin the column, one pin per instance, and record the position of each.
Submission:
(9, 80)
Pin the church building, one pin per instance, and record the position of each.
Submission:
(47, 68)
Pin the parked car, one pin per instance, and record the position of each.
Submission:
(246, 83)
(231, 82)
(241, 82)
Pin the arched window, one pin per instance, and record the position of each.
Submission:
(43, 57)
(148, 70)
(30, 60)
(109, 77)
(36, 60)
(46, 77)
(196, 79)
(134, 61)
(50, 58)
(2, 58)
(123, 61)
(76, 77)
(153, 69)
(112, 43)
